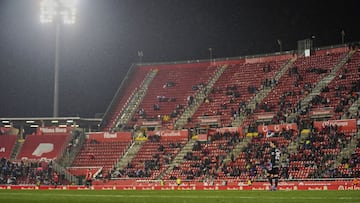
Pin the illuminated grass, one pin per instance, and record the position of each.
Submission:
(9, 196)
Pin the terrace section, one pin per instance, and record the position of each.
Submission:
(296, 84)
(7, 142)
(340, 93)
(206, 156)
(169, 92)
(131, 84)
(47, 143)
(101, 150)
(156, 154)
(236, 86)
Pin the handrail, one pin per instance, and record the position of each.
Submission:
(117, 94)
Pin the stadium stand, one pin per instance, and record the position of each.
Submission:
(234, 89)
(153, 158)
(168, 94)
(342, 90)
(46, 146)
(230, 95)
(7, 142)
(135, 80)
(101, 150)
(205, 158)
(323, 146)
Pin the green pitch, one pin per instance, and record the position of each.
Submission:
(9, 196)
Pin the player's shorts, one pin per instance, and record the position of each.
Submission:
(273, 171)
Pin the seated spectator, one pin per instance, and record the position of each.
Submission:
(169, 84)
(156, 107)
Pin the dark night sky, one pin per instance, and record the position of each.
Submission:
(97, 51)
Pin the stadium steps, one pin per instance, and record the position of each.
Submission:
(127, 87)
(62, 170)
(237, 150)
(348, 150)
(294, 146)
(129, 154)
(198, 98)
(16, 149)
(344, 153)
(135, 100)
(68, 158)
(325, 81)
(179, 159)
(353, 109)
(263, 93)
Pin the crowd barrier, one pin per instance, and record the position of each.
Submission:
(260, 186)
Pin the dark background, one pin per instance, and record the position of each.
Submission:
(98, 50)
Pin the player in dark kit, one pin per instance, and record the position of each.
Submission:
(274, 166)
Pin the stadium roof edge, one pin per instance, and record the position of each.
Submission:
(49, 118)
(238, 57)
(88, 123)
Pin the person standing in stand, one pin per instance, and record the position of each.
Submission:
(55, 179)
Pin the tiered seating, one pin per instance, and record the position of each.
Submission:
(27, 172)
(171, 87)
(205, 158)
(294, 85)
(46, 146)
(349, 167)
(317, 153)
(134, 83)
(343, 89)
(232, 89)
(7, 143)
(153, 158)
(231, 93)
(253, 160)
(81, 171)
(100, 154)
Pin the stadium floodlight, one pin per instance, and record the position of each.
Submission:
(59, 12)
(64, 10)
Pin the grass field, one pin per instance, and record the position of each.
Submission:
(9, 196)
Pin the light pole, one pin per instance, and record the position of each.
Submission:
(59, 12)
(210, 55)
(280, 45)
(140, 55)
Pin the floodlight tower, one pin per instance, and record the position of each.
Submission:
(59, 12)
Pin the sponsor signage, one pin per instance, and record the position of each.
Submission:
(346, 125)
(51, 130)
(170, 134)
(277, 128)
(151, 123)
(322, 112)
(212, 131)
(264, 116)
(209, 119)
(107, 136)
(261, 186)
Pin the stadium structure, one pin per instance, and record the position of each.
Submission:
(207, 123)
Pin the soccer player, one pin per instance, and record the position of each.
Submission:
(55, 179)
(274, 165)
(355, 182)
(178, 182)
(88, 178)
